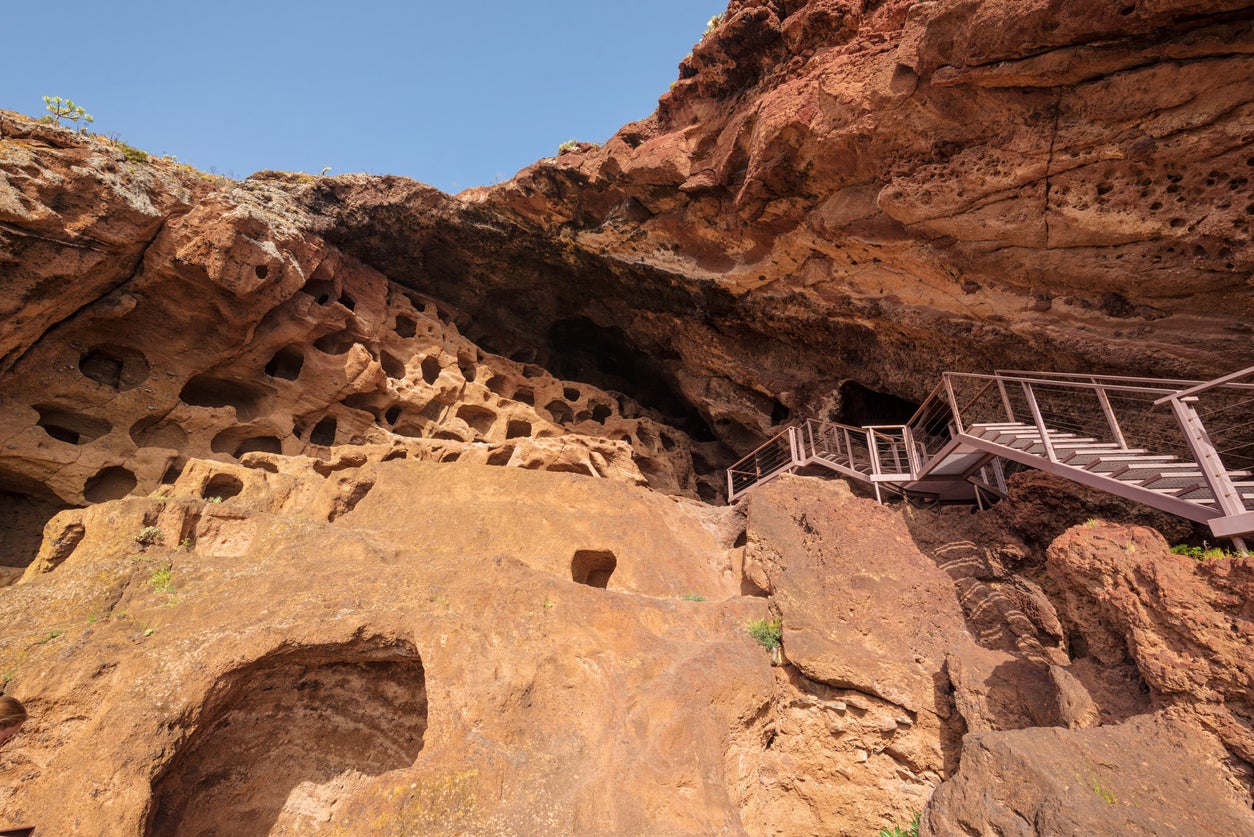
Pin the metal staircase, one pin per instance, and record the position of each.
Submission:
(1184, 447)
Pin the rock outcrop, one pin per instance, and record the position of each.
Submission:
(869, 192)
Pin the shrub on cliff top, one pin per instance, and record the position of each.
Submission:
(59, 109)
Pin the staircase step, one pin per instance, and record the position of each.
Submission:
(1086, 446)
(1117, 463)
(1118, 455)
(1032, 433)
(1150, 467)
(1177, 492)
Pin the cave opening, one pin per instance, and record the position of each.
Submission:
(861, 406)
(26, 506)
(112, 483)
(277, 742)
(593, 567)
(208, 391)
(607, 358)
(117, 367)
(222, 487)
(324, 431)
(69, 426)
(286, 363)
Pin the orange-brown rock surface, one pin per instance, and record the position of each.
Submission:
(343, 506)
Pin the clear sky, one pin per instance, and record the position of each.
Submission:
(456, 93)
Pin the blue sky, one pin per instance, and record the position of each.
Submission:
(455, 94)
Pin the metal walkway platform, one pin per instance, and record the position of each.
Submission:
(1184, 447)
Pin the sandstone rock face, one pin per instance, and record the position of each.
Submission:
(1184, 624)
(432, 660)
(1101, 781)
(867, 621)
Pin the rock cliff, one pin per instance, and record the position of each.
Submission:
(345, 506)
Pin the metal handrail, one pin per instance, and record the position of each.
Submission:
(1225, 381)
(1131, 386)
(1130, 379)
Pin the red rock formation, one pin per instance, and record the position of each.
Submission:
(878, 191)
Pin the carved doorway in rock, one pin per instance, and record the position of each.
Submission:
(593, 567)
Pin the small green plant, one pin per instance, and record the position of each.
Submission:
(148, 536)
(712, 24)
(148, 631)
(160, 580)
(912, 830)
(59, 109)
(694, 597)
(91, 617)
(324, 171)
(1205, 552)
(1092, 521)
(214, 500)
(1106, 796)
(569, 145)
(186, 543)
(768, 632)
(135, 155)
(548, 603)
(51, 636)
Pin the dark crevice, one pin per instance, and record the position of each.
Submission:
(26, 506)
(607, 358)
(861, 406)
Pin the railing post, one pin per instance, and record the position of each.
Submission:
(912, 455)
(953, 402)
(1110, 414)
(873, 451)
(1212, 467)
(1040, 422)
(797, 445)
(1005, 399)
(999, 473)
(731, 486)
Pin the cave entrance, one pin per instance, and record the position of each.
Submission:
(278, 742)
(26, 506)
(861, 406)
(593, 567)
(607, 358)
